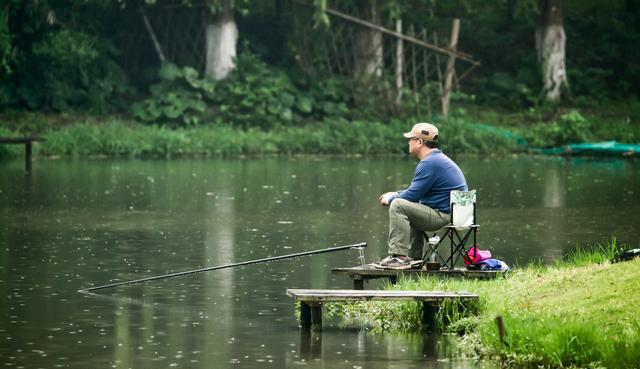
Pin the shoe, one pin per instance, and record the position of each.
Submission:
(416, 263)
(394, 262)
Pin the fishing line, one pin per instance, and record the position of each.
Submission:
(274, 258)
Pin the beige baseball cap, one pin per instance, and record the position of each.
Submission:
(424, 131)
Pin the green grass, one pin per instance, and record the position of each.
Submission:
(469, 129)
(552, 125)
(117, 138)
(580, 312)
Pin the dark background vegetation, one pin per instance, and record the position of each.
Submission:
(66, 63)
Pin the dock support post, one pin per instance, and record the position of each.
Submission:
(316, 317)
(305, 315)
(311, 315)
(310, 345)
(429, 315)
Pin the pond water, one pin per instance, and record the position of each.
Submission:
(73, 224)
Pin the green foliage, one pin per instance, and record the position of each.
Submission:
(118, 138)
(254, 95)
(598, 254)
(6, 150)
(69, 70)
(320, 17)
(569, 127)
(178, 97)
(54, 57)
(460, 135)
(5, 43)
(578, 312)
(551, 126)
(64, 55)
(505, 90)
(602, 65)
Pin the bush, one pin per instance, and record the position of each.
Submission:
(68, 70)
(254, 95)
(570, 127)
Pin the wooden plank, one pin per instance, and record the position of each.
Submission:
(312, 300)
(372, 272)
(457, 54)
(455, 29)
(19, 140)
(313, 295)
(305, 315)
(27, 142)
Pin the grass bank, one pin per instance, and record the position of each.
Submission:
(120, 138)
(580, 312)
(469, 129)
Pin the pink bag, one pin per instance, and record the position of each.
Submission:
(475, 255)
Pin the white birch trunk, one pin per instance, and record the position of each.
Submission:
(553, 62)
(221, 38)
(399, 62)
(550, 47)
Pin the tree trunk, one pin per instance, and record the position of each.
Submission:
(221, 38)
(399, 59)
(368, 42)
(451, 65)
(550, 45)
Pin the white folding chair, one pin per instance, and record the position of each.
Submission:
(459, 231)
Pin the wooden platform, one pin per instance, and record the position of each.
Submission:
(311, 301)
(359, 273)
(27, 142)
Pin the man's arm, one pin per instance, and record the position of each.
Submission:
(421, 184)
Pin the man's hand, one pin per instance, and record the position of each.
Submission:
(386, 197)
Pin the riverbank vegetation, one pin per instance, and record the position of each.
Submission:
(72, 73)
(578, 312)
(465, 131)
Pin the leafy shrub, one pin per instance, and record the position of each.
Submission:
(570, 127)
(254, 95)
(69, 70)
(179, 97)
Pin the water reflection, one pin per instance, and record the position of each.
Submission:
(75, 224)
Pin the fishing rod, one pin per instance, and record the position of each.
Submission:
(274, 258)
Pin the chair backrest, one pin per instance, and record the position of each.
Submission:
(463, 205)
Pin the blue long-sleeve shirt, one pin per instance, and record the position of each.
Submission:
(435, 177)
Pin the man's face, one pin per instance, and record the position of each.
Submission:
(414, 145)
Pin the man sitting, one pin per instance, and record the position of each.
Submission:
(424, 206)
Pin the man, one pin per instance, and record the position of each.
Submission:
(424, 206)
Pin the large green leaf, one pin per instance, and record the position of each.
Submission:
(304, 104)
(172, 111)
(191, 75)
(287, 99)
(169, 72)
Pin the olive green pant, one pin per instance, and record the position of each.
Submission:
(407, 222)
